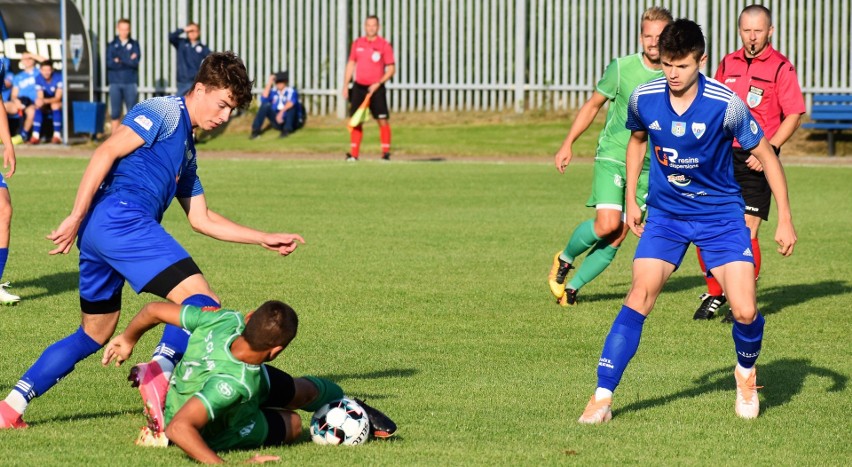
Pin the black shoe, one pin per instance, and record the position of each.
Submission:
(254, 134)
(571, 296)
(710, 305)
(729, 318)
(284, 134)
(386, 156)
(351, 158)
(380, 425)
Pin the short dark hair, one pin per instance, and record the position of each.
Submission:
(754, 10)
(122, 20)
(274, 323)
(682, 38)
(225, 70)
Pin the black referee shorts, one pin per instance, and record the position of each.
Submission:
(755, 189)
(378, 103)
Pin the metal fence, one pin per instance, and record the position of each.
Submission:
(461, 55)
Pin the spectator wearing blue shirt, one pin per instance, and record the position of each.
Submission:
(190, 53)
(279, 105)
(123, 56)
(24, 92)
(48, 98)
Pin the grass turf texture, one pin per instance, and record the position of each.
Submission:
(423, 289)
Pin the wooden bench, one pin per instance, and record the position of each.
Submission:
(833, 113)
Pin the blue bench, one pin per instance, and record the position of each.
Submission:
(833, 113)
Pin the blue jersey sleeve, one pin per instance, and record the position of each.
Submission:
(634, 121)
(740, 124)
(154, 119)
(189, 184)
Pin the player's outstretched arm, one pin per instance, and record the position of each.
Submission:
(634, 160)
(185, 431)
(122, 142)
(205, 221)
(120, 348)
(785, 233)
(585, 116)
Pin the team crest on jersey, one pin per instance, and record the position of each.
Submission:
(755, 95)
(618, 181)
(753, 126)
(376, 56)
(698, 130)
(678, 128)
(225, 389)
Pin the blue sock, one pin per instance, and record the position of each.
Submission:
(4, 255)
(57, 123)
(747, 340)
(175, 339)
(620, 346)
(55, 363)
(37, 121)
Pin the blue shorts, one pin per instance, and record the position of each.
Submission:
(121, 241)
(721, 241)
(3, 181)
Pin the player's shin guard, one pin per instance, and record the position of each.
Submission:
(583, 238)
(620, 346)
(55, 363)
(713, 286)
(175, 339)
(595, 263)
(747, 340)
(755, 250)
(327, 392)
(355, 137)
(385, 138)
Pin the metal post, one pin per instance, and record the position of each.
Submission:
(520, 53)
(64, 34)
(342, 52)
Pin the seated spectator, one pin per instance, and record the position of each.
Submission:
(48, 99)
(24, 91)
(280, 106)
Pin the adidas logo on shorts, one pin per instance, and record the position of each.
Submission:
(747, 252)
(655, 126)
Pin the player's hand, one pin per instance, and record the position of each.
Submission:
(118, 349)
(373, 88)
(64, 235)
(283, 243)
(634, 218)
(261, 458)
(562, 159)
(754, 164)
(785, 237)
(9, 160)
(346, 92)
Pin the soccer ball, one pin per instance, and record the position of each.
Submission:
(340, 422)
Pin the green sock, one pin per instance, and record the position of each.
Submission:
(328, 391)
(582, 239)
(596, 261)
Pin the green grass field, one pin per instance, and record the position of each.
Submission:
(422, 288)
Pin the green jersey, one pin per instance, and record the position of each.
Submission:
(230, 389)
(619, 80)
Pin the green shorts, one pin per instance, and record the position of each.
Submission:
(246, 429)
(609, 185)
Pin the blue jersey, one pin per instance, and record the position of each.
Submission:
(49, 86)
(164, 167)
(277, 99)
(692, 173)
(26, 84)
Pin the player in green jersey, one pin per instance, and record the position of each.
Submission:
(222, 396)
(602, 235)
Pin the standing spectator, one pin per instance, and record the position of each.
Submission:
(767, 82)
(190, 53)
(48, 97)
(24, 92)
(371, 60)
(602, 236)
(123, 64)
(5, 200)
(280, 106)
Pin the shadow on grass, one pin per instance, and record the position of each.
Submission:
(782, 379)
(78, 417)
(674, 284)
(775, 299)
(52, 284)
(390, 373)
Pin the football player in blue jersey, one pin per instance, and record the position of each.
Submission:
(48, 99)
(130, 181)
(690, 122)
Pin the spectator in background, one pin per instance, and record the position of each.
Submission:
(123, 55)
(279, 105)
(24, 92)
(8, 76)
(190, 53)
(371, 60)
(48, 98)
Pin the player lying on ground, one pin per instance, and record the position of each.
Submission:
(222, 395)
(690, 121)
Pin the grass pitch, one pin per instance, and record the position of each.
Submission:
(423, 289)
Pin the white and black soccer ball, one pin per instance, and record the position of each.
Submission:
(340, 422)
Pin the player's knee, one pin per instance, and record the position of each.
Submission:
(606, 227)
(744, 314)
